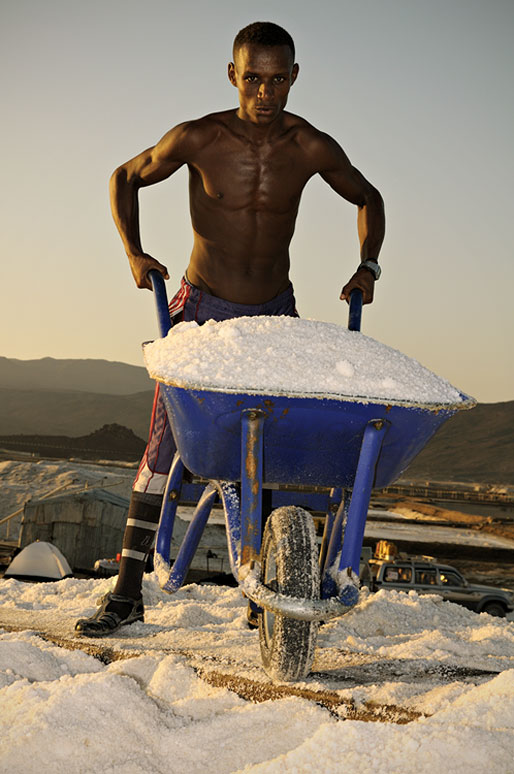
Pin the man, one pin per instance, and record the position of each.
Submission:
(247, 170)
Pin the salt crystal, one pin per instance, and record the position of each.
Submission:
(345, 368)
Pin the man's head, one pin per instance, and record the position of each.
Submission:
(263, 34)
(263, 71)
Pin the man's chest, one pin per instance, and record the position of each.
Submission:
(244, 175)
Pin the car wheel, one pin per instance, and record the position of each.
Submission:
(494, 608)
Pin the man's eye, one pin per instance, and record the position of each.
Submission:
(279, 79)
(251, 78)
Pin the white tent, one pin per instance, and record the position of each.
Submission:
(39, 560)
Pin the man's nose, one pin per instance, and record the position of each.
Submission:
(265, 90)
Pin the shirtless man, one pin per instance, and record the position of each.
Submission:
(247, 170)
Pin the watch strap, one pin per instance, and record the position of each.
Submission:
(372, 266)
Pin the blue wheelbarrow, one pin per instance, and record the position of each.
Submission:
(242, 444)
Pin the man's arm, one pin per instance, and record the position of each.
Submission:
(348, 182)
(149, 167)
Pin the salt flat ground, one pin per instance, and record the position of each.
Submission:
(21, 480)
(402, 683)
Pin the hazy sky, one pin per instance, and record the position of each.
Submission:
(418, 93)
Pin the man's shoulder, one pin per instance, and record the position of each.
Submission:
(312, 142)
(190, 136)
(292, 121)
(308, 135)
(208, 124)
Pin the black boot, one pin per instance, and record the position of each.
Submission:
(114, 612)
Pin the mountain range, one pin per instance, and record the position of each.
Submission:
(75, 398)
(48, 373)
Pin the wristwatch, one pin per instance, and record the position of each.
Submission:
(372, 266)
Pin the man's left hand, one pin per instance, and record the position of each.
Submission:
(365, 281)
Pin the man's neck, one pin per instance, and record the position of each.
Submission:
(259, 133)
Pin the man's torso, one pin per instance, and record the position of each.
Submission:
(244, 198)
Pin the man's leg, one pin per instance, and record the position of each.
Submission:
(124, 604)
(138, 540)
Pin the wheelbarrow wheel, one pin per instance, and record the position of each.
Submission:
(289, 559)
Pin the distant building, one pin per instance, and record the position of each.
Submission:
(84, 526)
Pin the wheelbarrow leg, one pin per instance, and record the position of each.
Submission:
(252, 426)
(191, 540)
(169, 509)
(172, 578)
(361, 494)
(229, 496)
(335, 499)
(335, 543)
(347, 533)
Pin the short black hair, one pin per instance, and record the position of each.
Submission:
(264, 34)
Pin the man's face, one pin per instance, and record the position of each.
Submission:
(263, 76)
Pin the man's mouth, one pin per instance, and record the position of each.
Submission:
(265, 108)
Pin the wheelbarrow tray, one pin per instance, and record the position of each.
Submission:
(310, 440)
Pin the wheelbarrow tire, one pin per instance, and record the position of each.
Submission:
(289, 559)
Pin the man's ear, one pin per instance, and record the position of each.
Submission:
(232, 73)
(294, 73)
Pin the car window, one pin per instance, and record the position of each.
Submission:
(426, 577)
(449, 578)
(398, 575)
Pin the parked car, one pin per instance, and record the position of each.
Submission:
(428, 577)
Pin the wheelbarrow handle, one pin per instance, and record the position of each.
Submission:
(163, 315)
(161, 301)
(355, 311)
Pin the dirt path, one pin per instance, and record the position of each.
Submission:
(335, 672)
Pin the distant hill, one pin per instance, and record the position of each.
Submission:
(102, 376)
(476, 445)
(110, 442)
(45, 412)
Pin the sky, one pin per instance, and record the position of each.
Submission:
(418, 93)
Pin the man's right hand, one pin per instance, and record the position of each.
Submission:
(141, 264)
(361, 280)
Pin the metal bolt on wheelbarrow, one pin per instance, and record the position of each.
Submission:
(245, 443)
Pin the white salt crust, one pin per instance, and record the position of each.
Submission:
(287, 355)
